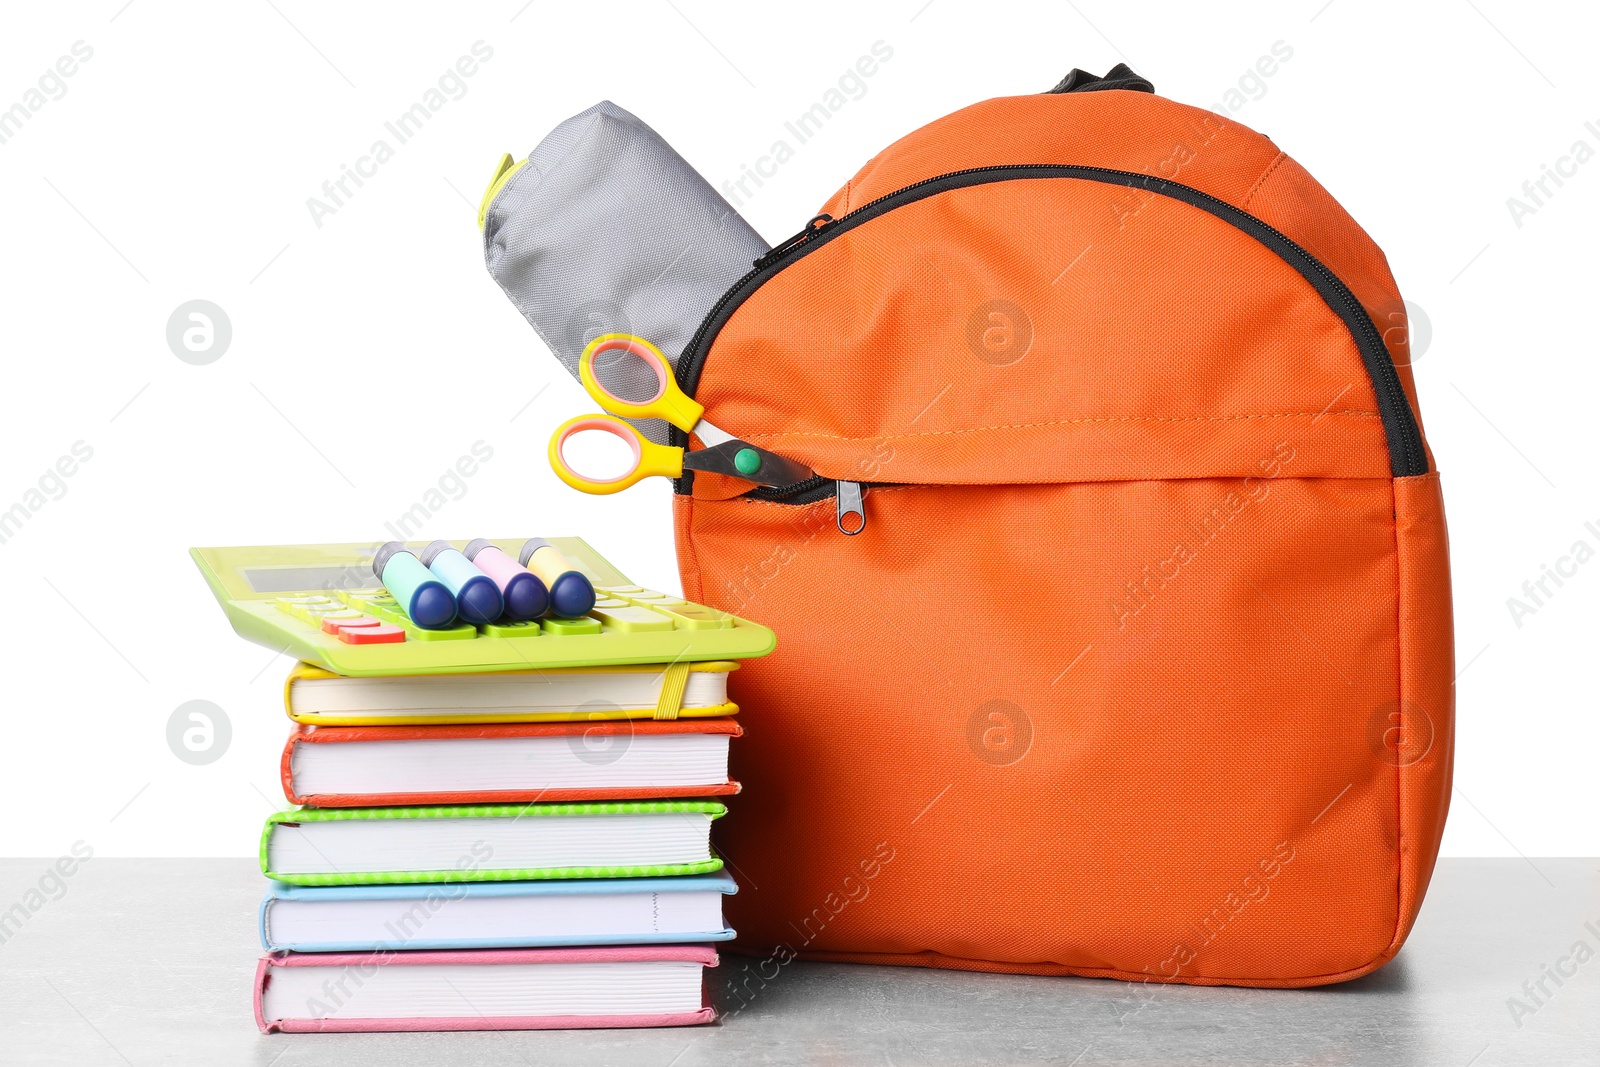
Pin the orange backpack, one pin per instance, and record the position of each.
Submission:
(1137, 660)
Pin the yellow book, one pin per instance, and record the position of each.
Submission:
(318, 697)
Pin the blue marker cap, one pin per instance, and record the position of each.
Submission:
(477, 597)
(571, 596)
(525, 595)
(480, 602)
(432, 607)
(423, 597)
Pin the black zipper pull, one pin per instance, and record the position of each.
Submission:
(850, 502)
(817, 225)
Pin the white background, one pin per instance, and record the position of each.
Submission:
(178, 163)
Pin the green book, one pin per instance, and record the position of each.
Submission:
(490, 843)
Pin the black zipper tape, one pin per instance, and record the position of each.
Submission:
(1407, 457)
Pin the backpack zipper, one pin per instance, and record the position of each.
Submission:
(818, 224)
(850, 497)
(1407, 456)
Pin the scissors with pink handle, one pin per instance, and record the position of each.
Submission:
(723, 454)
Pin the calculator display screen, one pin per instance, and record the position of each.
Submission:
(296, 579)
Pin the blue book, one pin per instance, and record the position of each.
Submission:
(468, 915)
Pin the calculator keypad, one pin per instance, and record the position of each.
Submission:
(678, 611)
(570, 627)
(630, 619)
(380, 605)
(372, 616)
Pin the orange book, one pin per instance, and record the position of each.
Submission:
(382, 766)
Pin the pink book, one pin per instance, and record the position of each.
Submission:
(484, 989)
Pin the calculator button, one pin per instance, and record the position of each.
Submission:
(462, 632)
(348, 595)
(511, 629)
(355, 620)
(387, 609)
(382, 634)
(697, 617)
(570, 627)
(388, 612)
(310, 614)
(609, 602)
(656, 600)
(619, 589)
(632, 619)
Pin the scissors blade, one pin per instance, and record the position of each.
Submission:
(738, 459)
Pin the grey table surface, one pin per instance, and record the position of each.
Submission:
(150, 961)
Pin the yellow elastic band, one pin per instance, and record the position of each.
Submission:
(673, 680)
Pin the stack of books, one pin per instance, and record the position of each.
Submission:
(516, 850)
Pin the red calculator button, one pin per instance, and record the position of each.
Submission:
(333, 626)
(381, 634)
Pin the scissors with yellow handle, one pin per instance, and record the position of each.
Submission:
(723, 454)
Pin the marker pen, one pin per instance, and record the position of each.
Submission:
(423, 597)
(525, 595)
(571, 595)
(477, 597)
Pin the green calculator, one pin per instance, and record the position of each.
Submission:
(289, 598)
